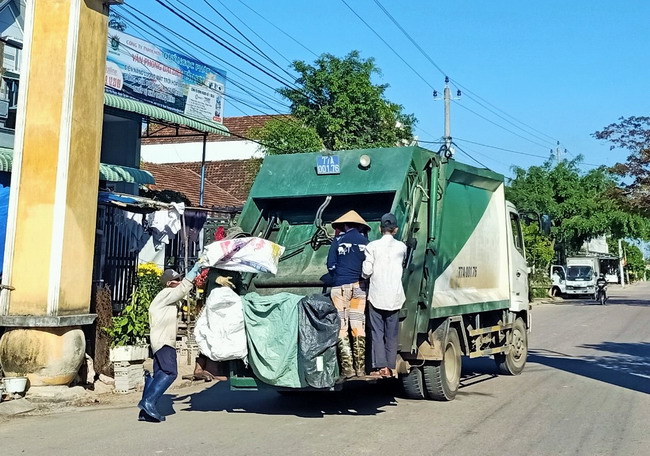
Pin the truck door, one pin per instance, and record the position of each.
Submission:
(518, 265)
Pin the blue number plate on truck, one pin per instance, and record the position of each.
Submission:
(328, 164)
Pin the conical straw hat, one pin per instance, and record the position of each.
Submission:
(351, 217)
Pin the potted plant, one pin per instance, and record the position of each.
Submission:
(128, 331)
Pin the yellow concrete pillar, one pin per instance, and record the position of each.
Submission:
(53, 203)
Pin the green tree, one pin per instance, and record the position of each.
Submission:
(286, 136)
(337, 98)
(631, 134)
(582, 205)
(539, 248)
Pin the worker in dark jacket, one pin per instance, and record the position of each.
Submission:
(344, 262)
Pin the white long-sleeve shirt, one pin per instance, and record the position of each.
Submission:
(383, 264)
(162, 315)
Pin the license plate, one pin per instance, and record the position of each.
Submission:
(328, 164)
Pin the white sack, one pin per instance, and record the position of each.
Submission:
(219, 331)
(249, 254)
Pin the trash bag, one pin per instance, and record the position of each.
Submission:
(249, 254)
(272, 333)
(219, 330)
(318, 332)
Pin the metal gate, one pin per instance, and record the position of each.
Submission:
(115, 265)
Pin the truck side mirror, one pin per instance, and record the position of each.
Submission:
(545, 224)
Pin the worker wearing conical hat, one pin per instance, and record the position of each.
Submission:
(344, 262)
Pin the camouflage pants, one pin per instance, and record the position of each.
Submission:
(350, 301)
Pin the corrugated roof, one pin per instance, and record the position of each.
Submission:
(170, 177)
(107, 172)
(156, 113)
(237, 126)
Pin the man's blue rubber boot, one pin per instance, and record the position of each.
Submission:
(157, 388)
(147, 383)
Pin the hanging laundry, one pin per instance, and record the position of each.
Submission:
(165, 224)
(135, 230)
(194, 221)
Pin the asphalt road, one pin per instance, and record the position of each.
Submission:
(585, 391)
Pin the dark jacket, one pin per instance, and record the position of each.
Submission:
(346, 256)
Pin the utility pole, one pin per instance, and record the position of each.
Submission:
(448, 147)
(447, 96)
(621, 272)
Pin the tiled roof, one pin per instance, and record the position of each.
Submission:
(234, 176)
(238, 126)
(169, 176)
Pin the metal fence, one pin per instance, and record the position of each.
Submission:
(116, 262)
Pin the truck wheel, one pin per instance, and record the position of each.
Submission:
(513, 363)
(413, 384)
(442, 378)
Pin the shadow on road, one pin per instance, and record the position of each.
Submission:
(626, 369)
(355, 399)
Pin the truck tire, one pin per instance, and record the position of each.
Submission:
(413, 384)
(513, 363)
(442, 378)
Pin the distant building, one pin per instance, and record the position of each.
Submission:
(12, 21)
(189, 148)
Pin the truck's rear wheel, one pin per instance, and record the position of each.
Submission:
(442, 378)
(413, 384)
(513, 363)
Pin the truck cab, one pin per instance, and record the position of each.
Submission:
(581, 276)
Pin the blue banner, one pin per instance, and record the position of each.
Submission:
(164, 78)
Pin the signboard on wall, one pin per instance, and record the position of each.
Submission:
(164, 78)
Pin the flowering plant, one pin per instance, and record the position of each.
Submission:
(132, 325)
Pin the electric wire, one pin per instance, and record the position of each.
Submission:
(260, 37)
(278, 28)
(247, 44)
(229, 79)
(205, 52)
(439, 68)
(388, 45)
(269, 59)
(235, 51)
(501, 126)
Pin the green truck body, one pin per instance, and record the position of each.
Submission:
(466, 275)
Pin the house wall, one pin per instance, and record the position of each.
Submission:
(192, 151)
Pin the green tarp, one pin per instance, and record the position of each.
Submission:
(272, 333)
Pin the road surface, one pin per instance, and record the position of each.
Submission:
(585, 391)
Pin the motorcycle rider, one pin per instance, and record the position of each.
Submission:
(601, 286)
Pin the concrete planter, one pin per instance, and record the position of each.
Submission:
(129, 353)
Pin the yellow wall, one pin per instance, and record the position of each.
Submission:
(32, 270)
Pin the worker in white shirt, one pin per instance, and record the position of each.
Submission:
(384, 265)
(163, 312)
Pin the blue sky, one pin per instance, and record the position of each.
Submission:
(566, 68)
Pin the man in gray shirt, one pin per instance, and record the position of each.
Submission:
(162, 320)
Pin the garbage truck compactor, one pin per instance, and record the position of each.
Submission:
(465, 277)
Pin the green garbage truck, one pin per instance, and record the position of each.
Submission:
(465, 278)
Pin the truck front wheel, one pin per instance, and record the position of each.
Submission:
(513, 363)
(442, 378)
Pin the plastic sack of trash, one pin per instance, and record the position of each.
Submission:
(319, 326)
(219, 331)
(249, 254)
(272, 332)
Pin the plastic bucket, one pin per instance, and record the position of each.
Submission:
(15, 385)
